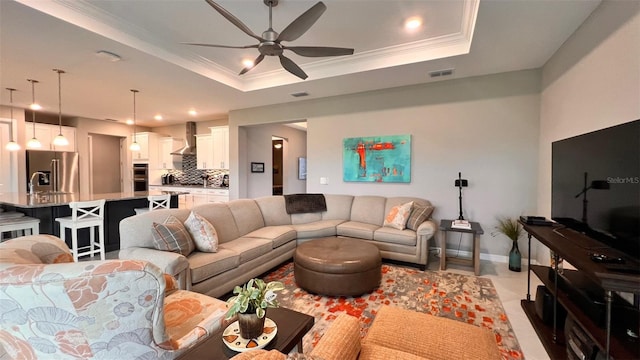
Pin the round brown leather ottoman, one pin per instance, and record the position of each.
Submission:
(337, 266)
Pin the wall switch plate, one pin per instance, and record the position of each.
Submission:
(324, 181)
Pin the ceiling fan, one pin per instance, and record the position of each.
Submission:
(270, 41)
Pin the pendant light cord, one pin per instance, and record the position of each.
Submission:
(135, 140)
(33, 101)
(59, 99)
(11, 90)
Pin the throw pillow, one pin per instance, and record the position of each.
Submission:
(419, 214)
(203, 233)
(172, 236)
(398, 216)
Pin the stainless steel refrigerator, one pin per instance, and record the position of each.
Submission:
(56, 171)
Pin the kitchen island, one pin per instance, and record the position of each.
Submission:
(47, 207)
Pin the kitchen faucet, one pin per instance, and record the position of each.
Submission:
(31, 192)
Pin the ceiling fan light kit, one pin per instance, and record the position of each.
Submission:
(270, 41)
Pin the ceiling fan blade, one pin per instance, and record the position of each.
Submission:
(300, 25)
(291, 67)
(255, 63)
(319, 51)
(222, 46)
(234, 20)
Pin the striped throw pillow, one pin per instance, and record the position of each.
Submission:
(172, 236)
(419, 214)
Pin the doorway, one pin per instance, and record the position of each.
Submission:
(277, 150)
(105, 163)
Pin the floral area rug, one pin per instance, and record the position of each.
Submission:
(464, 298)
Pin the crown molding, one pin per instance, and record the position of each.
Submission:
(84, 14)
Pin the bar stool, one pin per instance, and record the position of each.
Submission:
(85, 214)
(21, 223)
(156, 202)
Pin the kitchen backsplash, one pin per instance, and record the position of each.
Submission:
(190, 174)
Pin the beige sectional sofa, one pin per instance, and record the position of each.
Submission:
(256, 235)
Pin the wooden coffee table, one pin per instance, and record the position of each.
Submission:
(292, 326)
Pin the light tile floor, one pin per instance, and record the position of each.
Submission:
(511, 287)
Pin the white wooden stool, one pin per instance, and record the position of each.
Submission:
(22, 223)
(85, 214)
(156, 202)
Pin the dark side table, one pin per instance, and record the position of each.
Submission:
(476, 230)
(292, 326)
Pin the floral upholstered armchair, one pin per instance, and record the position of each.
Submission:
(51, 307)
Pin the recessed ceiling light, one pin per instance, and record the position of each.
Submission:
(247, 63)
(192, 112)
(158, 117)
(129, 122)
(412, 23)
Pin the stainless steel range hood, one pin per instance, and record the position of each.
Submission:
(189, 147)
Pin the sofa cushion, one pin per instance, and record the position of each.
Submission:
(317, 229)
(305, 218)
(135, 231)
(247, 215)
(248, 248)
(273, 210)
(172, 236)
(357, 230)
(279, 235)
(368, 209)
(463, 341)
(205, 265)
(419, 214)
(376, 352)
(221, 217)
(204, 235)
(398, 215)
(391, 235)
(338, 207)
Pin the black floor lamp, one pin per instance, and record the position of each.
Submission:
(460, 183)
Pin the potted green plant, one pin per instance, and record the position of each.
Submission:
(512, 229)
(250, 302)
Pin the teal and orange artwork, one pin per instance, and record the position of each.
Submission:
(377, 159)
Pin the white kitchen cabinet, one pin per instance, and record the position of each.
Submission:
(148, 154)
(167, 145)
(204, 152)
(220, 140)
(218, 195)
(45, 133)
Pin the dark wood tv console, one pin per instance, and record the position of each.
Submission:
(576, 248)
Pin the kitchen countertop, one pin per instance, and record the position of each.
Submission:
(193, 186)
(43, 200)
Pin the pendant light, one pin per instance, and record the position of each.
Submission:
(33, 143)
(60, 140)
(134, 145)
(11, 145)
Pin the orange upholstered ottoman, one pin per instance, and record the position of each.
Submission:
(403, 334)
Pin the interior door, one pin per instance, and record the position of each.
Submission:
(105, 164)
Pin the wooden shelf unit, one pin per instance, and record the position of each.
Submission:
(576, 249)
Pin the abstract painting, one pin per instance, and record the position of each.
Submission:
(377, 159)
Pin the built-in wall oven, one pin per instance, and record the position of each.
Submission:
(140, 177)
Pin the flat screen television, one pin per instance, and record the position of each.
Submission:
(596, 186)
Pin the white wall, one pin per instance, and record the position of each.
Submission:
(591, 82)
(259, 150)
(17, 160)
(486, 127)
